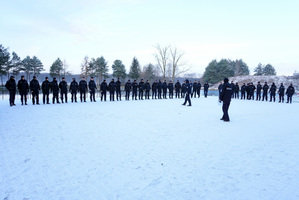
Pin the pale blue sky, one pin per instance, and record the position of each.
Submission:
(256, 31)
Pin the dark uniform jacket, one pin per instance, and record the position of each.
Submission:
(117, 86)
(54, 86)
(170, 87)
(92, 85)
(206, 86)
(265, 88)
(128, 86)
(178, 86)
(82, 86)
(226, 93)
(34, 86)
(259, 88)
(164, 86)
(273, 89)
(104, 87)
(111, 86)
(74, 86)
(11, 85)
(243, 88)
(290, 91)
(281, 90)
(141, 86)
(46, 86)
(23, 87)
(63, 86)
(147, 86)
(134, 86)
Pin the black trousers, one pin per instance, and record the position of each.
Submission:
(65, 96)
(35, 96)
(146, 94)
(225, 107)
(12, 96)
(111, 95)
(198, 93)
(206, 93)
(233, 94)
(236, 95)
(83, 96)
(194, 93)
(74, 96)
(154, 93)
(242, 95)
(159, 94)
(272, 96)
(265, 96)
(141, 94)
(187, 99)
(183, 94)
(171, 94)
(23, 97)
(258, 95)
(92, 95)
(55, 96)
(103, 95)
(281, 98)
(177, 93)
(127, 94)
(164, 94)
(118, 95)
(134, 94)
(45, 97)
(289, 99)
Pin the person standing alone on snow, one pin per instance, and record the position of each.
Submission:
(225, 97)
(188, 92)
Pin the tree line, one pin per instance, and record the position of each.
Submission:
(12, 64)
(216, 71)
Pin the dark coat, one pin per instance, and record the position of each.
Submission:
(74, 86)
(188, 88)
(46, 86)
(243, 88)
(111, 86)
(147, 86)
(206, 86)
(259, 88)
(117, 86)
(134, 86)
(104, 87)
(54, 86)
(226, 93)
(281, 90)
(265, 88)
(82, 86)
(237, 88)
(11, 85)
(154, 86)
(92, 85)
(159, 86)
(290, 91)
(23, 87)
(195, 87)
(170, 87)
(273, 89)
(141, 86)
(184, 87)
(220, 87)
(178, 86)
(34, 86)
(198, 87)
(164, 86)
(63, 86)
(128, 86)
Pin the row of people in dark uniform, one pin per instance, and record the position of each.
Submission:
(248, 91)
(158, 90)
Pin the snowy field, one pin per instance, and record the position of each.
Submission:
(151, 150)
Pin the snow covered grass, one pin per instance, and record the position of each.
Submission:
(153, 149)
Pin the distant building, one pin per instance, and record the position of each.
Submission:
(296, 74)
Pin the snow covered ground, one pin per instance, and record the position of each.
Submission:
(153, 149)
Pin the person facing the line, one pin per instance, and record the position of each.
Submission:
(188, 92)
(225, 97)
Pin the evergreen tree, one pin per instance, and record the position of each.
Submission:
(135, 69)
(27, 66)
(258, 70)
(101, 68)
(56, 68)
(241, 68)
(216, 71)
(37, 66)
(149, 72)
(14, 65)
(119, 69)
(4, 59)
(269, 70)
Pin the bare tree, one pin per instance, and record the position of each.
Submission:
(162, 57)
(176, 63)
(65, 67)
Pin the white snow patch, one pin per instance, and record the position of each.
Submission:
(154, 149)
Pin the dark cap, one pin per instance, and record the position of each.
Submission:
(91, 77)
(34, 77)
(63, 78)
(22, 76)
(46, 78)
(225, 80)
(12, 77)
(54, 78)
